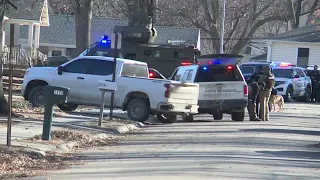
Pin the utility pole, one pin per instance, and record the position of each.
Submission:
(223, 17)
(10, 85)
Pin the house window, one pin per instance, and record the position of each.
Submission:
(56, 53)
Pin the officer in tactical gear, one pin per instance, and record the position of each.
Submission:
(266, 82)
(254, 78)
(315, 79)
(252, 98)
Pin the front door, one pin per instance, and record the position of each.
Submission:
(74, 76)
(100, 70)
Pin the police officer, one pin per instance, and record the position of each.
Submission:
(315, 78)
(252, 98)
(254, 78)
(266, 82)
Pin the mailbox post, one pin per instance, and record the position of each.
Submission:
(52, 95)
(105, 86)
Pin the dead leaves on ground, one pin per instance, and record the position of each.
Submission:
(84, 139)
(18, 162)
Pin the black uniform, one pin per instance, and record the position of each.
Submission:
(254, 78)
(315, 78)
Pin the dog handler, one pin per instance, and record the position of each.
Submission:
(265, 91)
(252, 98)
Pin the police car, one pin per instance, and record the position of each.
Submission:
(223, 89)
(291, 82)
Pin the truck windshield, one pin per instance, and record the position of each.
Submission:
(218, 74)
(134, 70)
(283, 73)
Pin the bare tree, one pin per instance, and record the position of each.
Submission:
(296, 8)
(243, 19)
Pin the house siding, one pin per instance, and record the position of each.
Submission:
(288, 52)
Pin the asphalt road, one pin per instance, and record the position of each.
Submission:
(278, 149)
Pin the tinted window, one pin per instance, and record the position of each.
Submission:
(247, 69)
(102, 68)
(78, 66)
(218, 74)
(135, 70)
(283, 73)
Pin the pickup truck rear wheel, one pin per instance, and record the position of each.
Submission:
(138, 109)
(167, 118)
(68, 107)
(36, 96)
(237, 116)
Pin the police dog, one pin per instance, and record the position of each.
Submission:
(277, 99)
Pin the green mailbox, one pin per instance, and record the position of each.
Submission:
(52, 95)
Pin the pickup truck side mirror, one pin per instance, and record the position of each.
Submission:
(60, 70)
(296, 76)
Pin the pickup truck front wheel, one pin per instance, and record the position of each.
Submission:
(68, 107)
(138, 109)
(167, 118)
(36, 96)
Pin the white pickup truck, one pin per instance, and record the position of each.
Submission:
(136, 93)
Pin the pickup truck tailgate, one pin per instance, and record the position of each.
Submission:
(218, 91)
(183, 93)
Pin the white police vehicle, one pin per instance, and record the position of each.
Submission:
(222, 88)
(291, 82)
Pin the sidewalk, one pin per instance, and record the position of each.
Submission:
(23, 129)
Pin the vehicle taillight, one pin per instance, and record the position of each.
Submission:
(167, 92)
(229, 68)
(245, 90)
(151, 75)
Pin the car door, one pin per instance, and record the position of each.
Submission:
(298, 82)
(99, 70)
(73, 76)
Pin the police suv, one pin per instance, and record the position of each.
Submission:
(222, 85)
(292, 82)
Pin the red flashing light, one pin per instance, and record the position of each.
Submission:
(151, 74)
(285, 65)
(229, 68)
(186, 63)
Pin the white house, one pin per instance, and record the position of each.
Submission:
(30, 15)
(300, 46)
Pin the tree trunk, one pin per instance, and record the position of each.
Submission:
(3, 101)
(83, 24)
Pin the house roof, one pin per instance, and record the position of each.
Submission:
(308, 33)
(62, 31)
(27, 10)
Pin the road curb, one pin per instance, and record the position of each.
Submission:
(67, 147)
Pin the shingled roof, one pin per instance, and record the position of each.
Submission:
(308, 33)
(27, 10)
(62, 31)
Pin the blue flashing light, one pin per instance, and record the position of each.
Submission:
(204, 68)
(216, 61)
(105, 41)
